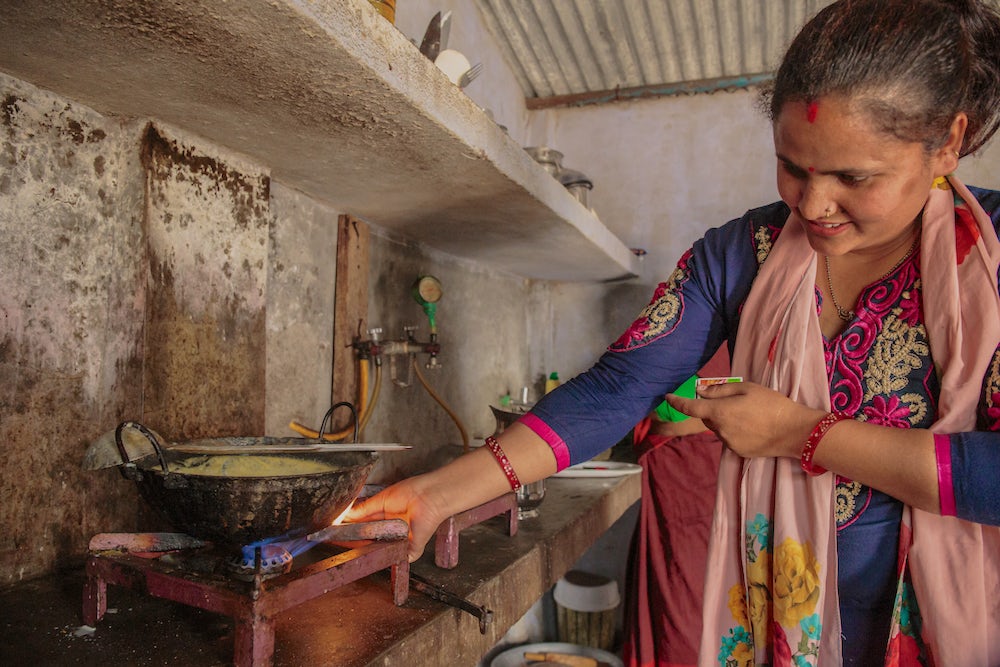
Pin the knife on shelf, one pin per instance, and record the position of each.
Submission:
(431, 44)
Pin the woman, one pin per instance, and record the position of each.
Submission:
(863, 310)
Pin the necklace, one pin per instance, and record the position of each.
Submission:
(848, 315)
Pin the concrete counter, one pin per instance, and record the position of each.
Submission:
(356, 625)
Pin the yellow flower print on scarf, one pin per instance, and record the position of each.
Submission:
(776, 600)
(738, 605)
(796, 582)
(759, 596)
(737, 648)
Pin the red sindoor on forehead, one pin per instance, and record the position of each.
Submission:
(811, 109)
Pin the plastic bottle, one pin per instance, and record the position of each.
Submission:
(551, 382)
(666, 413)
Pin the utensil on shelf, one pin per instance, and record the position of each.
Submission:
(549, 158)
(577, 183)
(431, 44)
(453, 63)
(445, 29)
(469, 75)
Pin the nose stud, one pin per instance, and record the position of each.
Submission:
(827, 213)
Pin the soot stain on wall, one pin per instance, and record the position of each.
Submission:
(69, 322)
(250, 196)
(208, 229)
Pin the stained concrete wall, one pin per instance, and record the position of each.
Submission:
(299, 313)
(207, 221)
(72, 297)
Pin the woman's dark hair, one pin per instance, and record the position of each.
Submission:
(911, 65)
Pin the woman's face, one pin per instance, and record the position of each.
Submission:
(832, 160)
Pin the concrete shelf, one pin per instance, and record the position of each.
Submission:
(335, 102)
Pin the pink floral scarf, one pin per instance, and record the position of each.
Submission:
(773, 547)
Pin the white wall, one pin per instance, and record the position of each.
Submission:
(664, 171)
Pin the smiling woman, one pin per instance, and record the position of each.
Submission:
(855, 472)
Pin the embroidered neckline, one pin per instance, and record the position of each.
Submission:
(848, 315)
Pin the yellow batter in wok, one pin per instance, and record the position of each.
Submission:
(236, 465)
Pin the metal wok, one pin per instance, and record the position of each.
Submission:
(240, 508)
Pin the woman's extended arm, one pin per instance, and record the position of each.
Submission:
(426, 500)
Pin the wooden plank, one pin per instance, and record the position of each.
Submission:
(350, 311)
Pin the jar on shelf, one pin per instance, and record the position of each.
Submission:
(386, 8)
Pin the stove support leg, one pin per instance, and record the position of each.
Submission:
(399, 579)
(512, 520)
(95, 599)
(446, 544)
(254, 642)
(446, 538)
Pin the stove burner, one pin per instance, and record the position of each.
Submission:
(266, 560)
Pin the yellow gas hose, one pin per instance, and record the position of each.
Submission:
(363, 407)
(440, 401)
(368, 407)
(371, 404)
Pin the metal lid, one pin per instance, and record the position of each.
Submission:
(545, 155)
(571, 177)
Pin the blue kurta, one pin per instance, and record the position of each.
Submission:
(879, 369)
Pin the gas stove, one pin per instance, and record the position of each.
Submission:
(216, 580)
(255, 583)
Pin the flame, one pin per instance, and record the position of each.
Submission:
(340, 519)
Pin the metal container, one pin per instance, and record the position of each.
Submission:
(240, 509)
(549, 158)
(578, 185)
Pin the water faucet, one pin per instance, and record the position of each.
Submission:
(426, 290)
(410, 345)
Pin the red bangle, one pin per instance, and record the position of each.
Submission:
(809, 449)
(504, 462)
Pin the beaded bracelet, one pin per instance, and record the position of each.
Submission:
(504, 462)
(809, 449)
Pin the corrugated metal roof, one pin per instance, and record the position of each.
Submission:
(589, 51)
